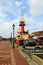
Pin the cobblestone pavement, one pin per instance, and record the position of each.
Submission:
(10, 56)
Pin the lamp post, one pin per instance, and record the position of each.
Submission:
(13, 34)
(11, 38)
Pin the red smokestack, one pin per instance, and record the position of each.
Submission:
(22, 24)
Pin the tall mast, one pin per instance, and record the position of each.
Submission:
(22, 16)
(22, 23)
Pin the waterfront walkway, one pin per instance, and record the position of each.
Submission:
(10, 56)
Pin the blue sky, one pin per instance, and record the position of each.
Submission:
(10, 12)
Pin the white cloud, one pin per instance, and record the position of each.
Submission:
(36, 7)
(31, 23)
(40, 25)
(6, 27)
(11, 6)
(18, 3)
(2, 15)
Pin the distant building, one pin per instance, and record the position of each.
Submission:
(38, 35)
(0, 38)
